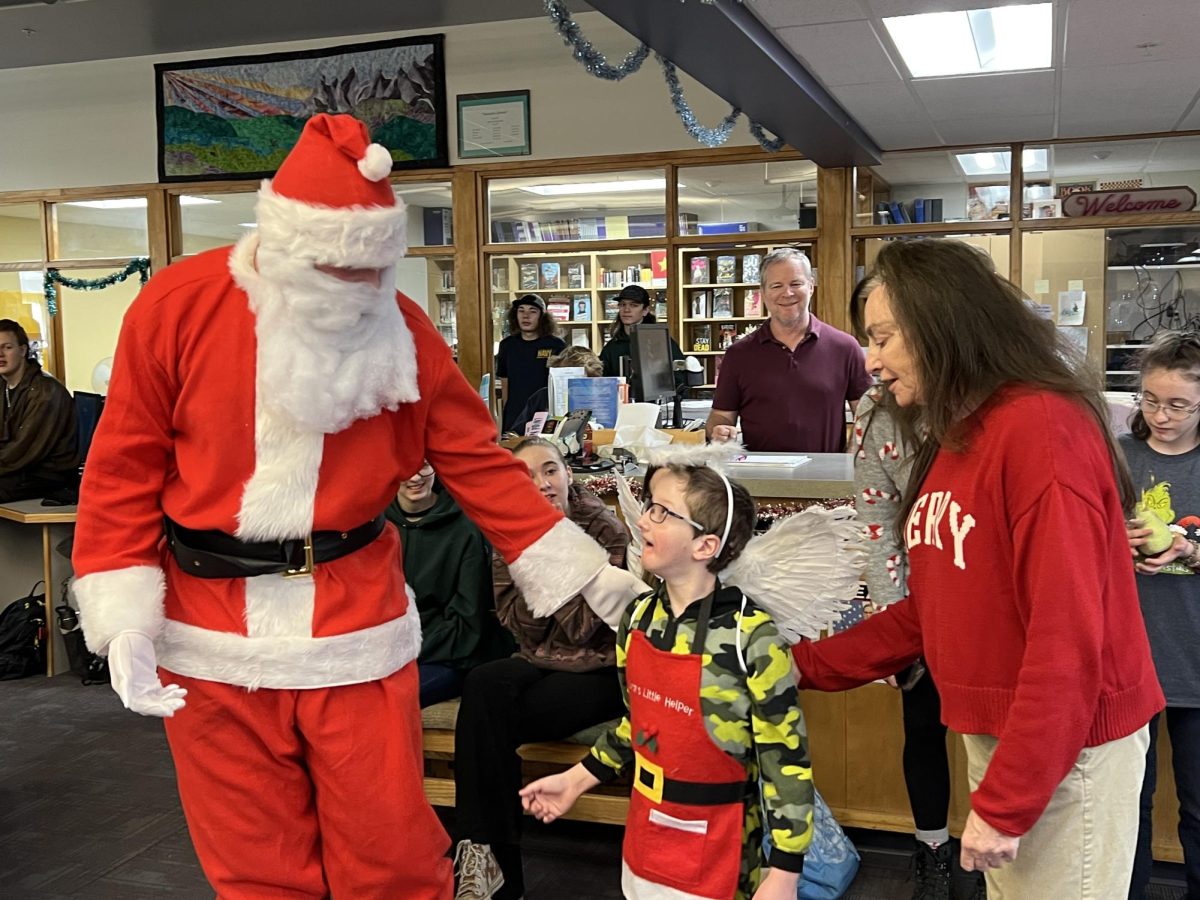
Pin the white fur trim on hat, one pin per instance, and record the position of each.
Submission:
(129, 599)
(556, 566)
(376, 165)
(356, 236)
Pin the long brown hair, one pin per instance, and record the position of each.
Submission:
(1173, 351)
(971, 332)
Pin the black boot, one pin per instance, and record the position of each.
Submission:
(931, 871)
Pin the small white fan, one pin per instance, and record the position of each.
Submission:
(101, 375)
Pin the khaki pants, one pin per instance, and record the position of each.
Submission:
(1082, 846)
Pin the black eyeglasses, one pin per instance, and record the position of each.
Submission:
(424, 472)
(658, 514)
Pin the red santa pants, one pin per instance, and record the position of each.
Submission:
(307, 794)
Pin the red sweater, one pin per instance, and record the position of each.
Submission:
(1022, 601)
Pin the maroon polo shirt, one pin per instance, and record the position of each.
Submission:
(793, 400)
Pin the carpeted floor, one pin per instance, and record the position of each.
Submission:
(88, 809)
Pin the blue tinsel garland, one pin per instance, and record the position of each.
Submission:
(54, 277)
(597, 64)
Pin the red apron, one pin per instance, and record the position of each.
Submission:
(686, 812)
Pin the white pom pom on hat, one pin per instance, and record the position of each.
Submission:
(376, 165)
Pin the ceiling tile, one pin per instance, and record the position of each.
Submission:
(782, 13)
(889, 114)
(1108, 32)
(1128, 98)
(983, 96)
(841, 52)
(1192, 122)
(996, 129)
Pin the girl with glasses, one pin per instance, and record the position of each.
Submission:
(1163, 452)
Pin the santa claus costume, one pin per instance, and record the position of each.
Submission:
(267, 411)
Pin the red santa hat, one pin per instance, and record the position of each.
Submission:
(330, 202)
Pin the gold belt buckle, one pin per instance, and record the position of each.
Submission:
(654, 790)
(309, 566)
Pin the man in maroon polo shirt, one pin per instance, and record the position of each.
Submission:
(789, 380)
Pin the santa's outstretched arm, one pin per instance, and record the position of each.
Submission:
(550, 557)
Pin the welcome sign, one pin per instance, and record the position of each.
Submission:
(1135, 202)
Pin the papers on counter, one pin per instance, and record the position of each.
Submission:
(776, 462)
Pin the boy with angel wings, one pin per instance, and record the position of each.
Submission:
(712, 701)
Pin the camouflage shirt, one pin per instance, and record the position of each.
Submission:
(751, 712)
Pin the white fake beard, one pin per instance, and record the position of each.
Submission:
(329, 352)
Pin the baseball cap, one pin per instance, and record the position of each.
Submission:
(634, 292)
(530, 300)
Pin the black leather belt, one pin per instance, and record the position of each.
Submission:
(648, 779)
(215, 554)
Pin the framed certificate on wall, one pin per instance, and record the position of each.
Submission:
(493, 124)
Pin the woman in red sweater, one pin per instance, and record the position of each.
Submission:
(1021, 591)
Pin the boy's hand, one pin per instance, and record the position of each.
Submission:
(553, 796)
(777, 885)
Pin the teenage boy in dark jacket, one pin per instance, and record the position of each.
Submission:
(447, 563)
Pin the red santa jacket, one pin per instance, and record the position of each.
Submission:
(184, 436)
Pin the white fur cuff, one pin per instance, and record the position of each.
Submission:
(120, 600)
(556, 566)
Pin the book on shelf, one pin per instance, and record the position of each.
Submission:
(582, 306)
(660, 310)
(699, 304)
(729, 227)
(717, 360)
(560, 308)
(529, 276)
(699, 270)
(701, 338)
(722, 307)
(918, 215)
(439, 226)
(575, 275)
(728, 336)
(500, 278)
(550, 276)
(726, 269)
(658, 268)
(580, 337)
(447, 279)
(752, 302)
(610, 306)
(751, 264)
(446, 312)
(646, 276)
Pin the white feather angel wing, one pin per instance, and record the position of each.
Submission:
(804, 570)
(631, 510)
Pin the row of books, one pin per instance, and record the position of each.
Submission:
(720, 306)
(586, 228)
(727, 269)
(548, 276)
(917, 212)
(702, 337)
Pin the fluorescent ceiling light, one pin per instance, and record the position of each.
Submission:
(136, 202)
(974, 41)
(597, 187)
(996, 162)
(247, 224)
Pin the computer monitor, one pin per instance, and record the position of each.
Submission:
(88, 408)
(650, 353)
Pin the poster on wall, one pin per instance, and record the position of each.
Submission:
(237, 117)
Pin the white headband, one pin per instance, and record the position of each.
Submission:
(728, 509)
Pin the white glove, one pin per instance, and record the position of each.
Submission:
(610, 592)
(134, 673)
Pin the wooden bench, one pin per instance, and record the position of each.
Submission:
(607, 804)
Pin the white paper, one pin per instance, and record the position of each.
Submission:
(637, 415)
(1077, 335)
(1041, 286)
(1071, 306)
(1042, 310)
(762, 459)
(556, 394)
(1075, 284)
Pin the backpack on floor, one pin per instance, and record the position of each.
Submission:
(90, 667)
(831, 861)
(23, 636)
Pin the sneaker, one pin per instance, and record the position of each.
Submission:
(476, 872)
(931, 871)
